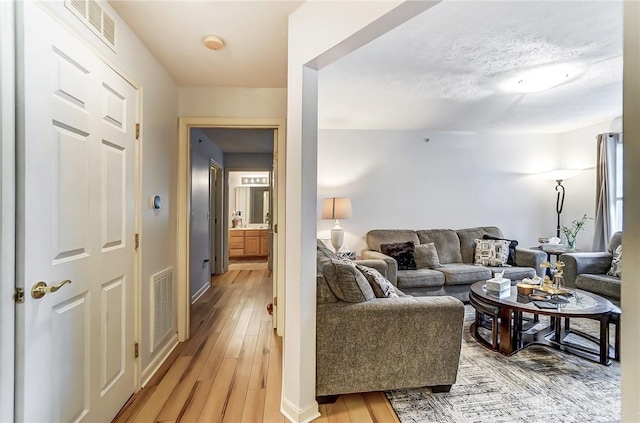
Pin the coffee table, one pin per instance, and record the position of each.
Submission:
(515, 332)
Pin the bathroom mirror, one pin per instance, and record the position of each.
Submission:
(254, 204)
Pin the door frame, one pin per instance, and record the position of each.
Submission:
(183, 209)
(216, 196)
(7, 212)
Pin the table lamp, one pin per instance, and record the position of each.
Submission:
(337, 208)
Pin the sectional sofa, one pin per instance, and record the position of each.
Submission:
(369, 342)
(455, 270)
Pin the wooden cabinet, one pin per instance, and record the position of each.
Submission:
(248, 243)
(264, 243)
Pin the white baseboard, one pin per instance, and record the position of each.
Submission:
(296, 415)
(200, 292)
(155, 364)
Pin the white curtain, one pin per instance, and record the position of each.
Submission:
(605, 190)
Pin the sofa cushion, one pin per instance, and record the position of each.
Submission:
(464, 274)
(515, 273)
(491, 252)
(427, 256)
(616, 263)
(606, 285)
(402, 252)
(380, 285)
(446, 242)
(420, 278)
(346, 281)
(511, 260)
(324, 295)
(389, 236)
(467, 238)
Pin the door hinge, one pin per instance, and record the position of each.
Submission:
(137, 131)
(137, 242)
(136, 350)
(275, 301)
(19, 296)
(275, 228)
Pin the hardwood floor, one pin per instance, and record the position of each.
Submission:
(230, 370)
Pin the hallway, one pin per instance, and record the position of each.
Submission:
(230, 370)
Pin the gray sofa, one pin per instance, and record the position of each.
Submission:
(382, 343)
(588, 271)
(456, 251)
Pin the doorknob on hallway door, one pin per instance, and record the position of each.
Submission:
(40, 289)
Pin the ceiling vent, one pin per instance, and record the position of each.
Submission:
(95, 18)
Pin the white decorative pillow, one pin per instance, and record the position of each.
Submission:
(491, 252)
(382, 287)
(616, 263)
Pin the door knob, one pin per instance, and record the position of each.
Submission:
(40, 289)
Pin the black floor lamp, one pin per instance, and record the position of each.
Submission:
(559, 203)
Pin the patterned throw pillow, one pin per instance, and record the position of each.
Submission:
(512, 248)
(491, 252)
(402, 252)
(616, 263)
(427, 256)
(381, 286)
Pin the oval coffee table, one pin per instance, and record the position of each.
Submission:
(515, 333)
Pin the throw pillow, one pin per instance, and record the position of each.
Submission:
(616, 263)
(402, 252)
(427, 256)
(381, 286)
(512, 248)
(346, 281)
(492, 253)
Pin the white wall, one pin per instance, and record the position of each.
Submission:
(232, 102)
(578, 150)
(456, 180)
(159, 118)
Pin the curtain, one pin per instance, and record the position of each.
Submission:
(605, 190)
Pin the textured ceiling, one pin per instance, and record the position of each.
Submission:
(444, 69)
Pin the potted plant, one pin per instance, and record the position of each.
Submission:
(571, 232)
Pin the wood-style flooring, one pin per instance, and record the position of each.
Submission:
(230, 370)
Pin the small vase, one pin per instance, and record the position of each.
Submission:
(571, 243)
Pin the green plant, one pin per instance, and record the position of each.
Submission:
(572, 232)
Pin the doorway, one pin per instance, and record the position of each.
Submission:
(249, 237)
(276, 128)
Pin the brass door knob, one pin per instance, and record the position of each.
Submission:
(40, 289)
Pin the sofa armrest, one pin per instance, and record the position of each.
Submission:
(388, 343)
(392, 265)
(380, 265)
(528, 257)
(575, 264)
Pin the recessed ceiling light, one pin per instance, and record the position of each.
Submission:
(539, 79)
(212, 42)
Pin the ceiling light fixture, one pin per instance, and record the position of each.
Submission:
(539, 79)
(212, 42)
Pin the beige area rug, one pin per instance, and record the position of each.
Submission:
(537, 384)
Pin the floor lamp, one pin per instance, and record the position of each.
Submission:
(337, 208)
(559, 176)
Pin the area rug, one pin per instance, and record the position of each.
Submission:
(537, 384)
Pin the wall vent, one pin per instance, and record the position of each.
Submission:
(161, 307)
(95, 18)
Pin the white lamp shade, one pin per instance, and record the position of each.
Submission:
(336, 208)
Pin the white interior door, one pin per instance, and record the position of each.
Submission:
(199, 249)
(75, 346)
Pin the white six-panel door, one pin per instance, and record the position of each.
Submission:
(75, 346)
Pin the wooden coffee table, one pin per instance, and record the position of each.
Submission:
(514, 332)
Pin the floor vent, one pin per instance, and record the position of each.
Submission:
(95, 18)
(161, 307)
